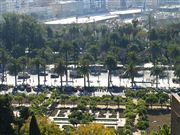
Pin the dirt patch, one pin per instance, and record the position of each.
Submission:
(158, 118)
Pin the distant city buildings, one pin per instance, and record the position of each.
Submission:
(45, 9)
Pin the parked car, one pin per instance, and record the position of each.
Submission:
(75, 74)
(22, 75)
(43, 74)
(54, 75)
(28, 88)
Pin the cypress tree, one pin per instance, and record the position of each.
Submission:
(34, 129)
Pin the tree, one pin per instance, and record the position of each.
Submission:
(78, 117)
(19, 32)
(151, 99)
(6, 116)
(46, 127)
(37, 61)
(131, 71)
(46, 56)
(14, 68)
(93, 129)
(93, 105)
(111, 64)
(106, 100)
(118, 100)
(60, 69)
(155, 52)
(66, 49)
(157, 71)
(34, 129)
(85, 62)
(23, 61)
(3, 61)
(163, 98)
(164, 130)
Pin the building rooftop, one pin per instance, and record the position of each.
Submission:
(94, 18)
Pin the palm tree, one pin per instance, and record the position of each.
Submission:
(14, 67)
(60, 69)
(66, 48)
(23, 61)
(84, 67)
(111, 64)
(46, 57)
(155, 52)
(131, 71)
(156, 71)
(37, 62)
(3, 62)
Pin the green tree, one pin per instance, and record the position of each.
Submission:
(66, 49)
(14, 68)
(78, 117)
(37, 62)
(46, 56)
(34, 128)
(85, 62)
(23, 61)
(157, 71)
(111, 64)
(164, 130)
(6, 116)
(3, 61)
(151, 99)
(131, 71)
(46, 127)
(93, 129)
(60, 69)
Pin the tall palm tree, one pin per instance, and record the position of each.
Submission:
(131, 71)
(60, 69)
(66, 48)
(37, 62)
(14, 67)
(46, 56)
(23, 61)
(111, 64)
(3, 61)
(157, 71)
(85, 62)
(155, 52)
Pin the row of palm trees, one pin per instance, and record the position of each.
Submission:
(61, 67)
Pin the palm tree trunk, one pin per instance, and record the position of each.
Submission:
(88, 80)
(38, 76)
(44, 74)
(84, 81)
(109, 79)
(15, 79)
(132, 82)
(61, 80)
(66, 68)
(2, 81)
(156, 81)
(23, 74)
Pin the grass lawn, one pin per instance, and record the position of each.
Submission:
(158, 118)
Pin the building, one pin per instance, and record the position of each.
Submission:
(175, 115)
(169, 2)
